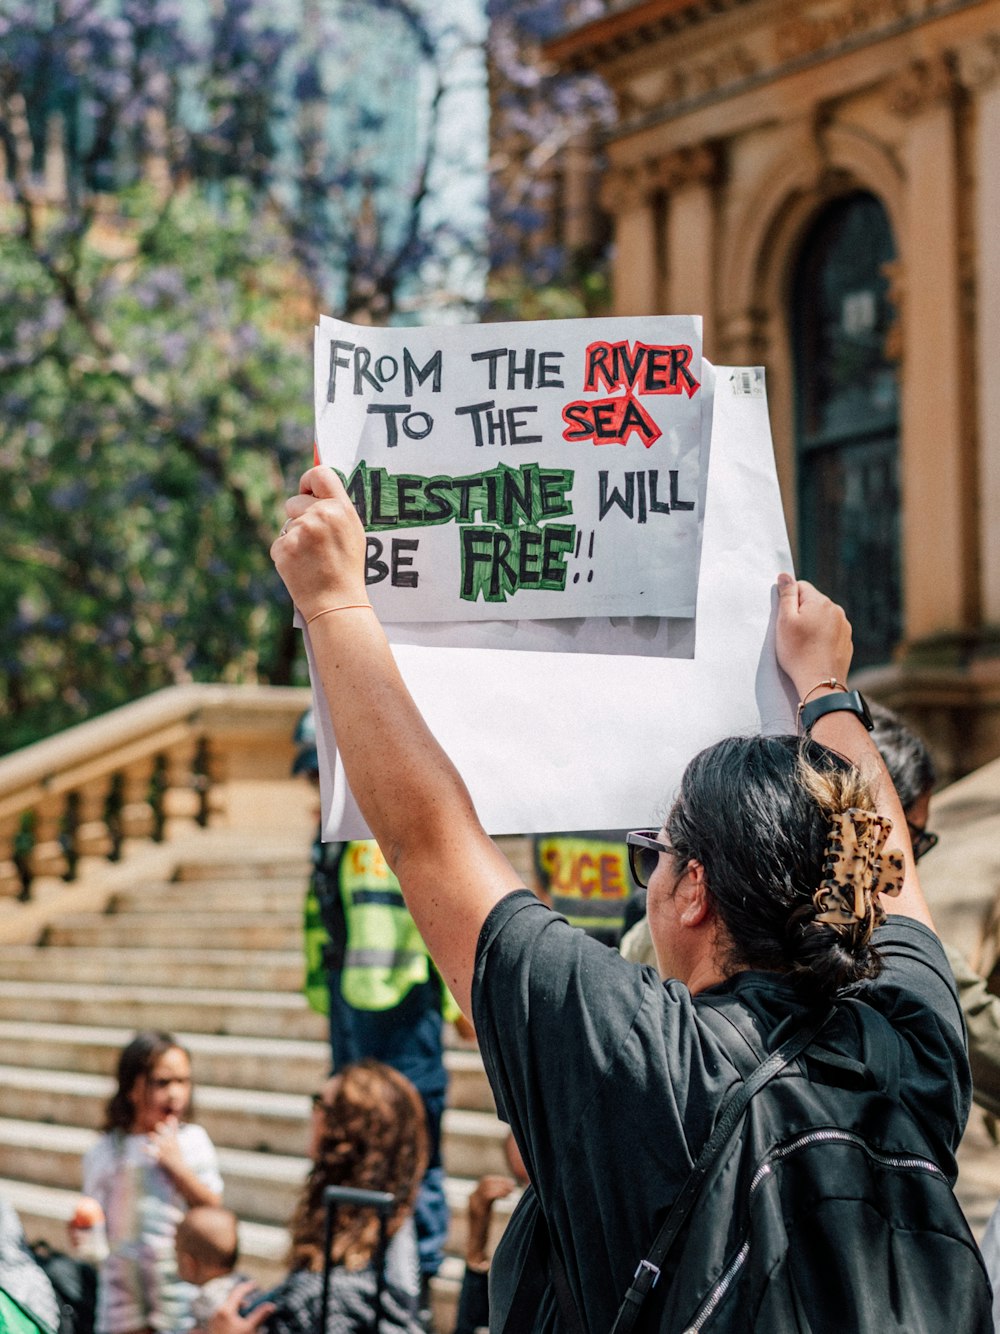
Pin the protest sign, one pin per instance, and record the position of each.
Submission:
(598, 740)
(519, 471)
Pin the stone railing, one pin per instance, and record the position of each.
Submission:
(133, 774)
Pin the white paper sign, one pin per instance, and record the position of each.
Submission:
(594, 740)
(519, 471)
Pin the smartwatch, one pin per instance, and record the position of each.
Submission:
(850, 701)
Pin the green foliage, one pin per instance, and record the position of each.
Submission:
(155, 385)
(581, 291)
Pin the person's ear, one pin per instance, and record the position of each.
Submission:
(696, 906)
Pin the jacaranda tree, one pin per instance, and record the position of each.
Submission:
(186, 185)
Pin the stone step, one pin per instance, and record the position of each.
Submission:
(272, 970)
(473, 1144)
(288, 1065)
(281, 930)
(253, 867)
(256, 1119)
(468, 1086)
(220, 944)
(193, 1010)
(252, 896)
(237, 1062)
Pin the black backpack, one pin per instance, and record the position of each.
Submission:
(818, 1208)
(75, 1284)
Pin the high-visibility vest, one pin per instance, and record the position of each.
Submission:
(386, 956)
(314, 942)
(323, 913)
(587, 877)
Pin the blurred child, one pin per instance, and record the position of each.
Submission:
(150, 1165)
(207, 1250)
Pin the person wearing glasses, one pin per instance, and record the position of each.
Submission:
(913, 774)
(769, 884)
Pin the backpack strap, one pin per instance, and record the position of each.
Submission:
(648, 1270)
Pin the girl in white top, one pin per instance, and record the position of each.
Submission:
(147, 1169)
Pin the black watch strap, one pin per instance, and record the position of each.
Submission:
(851, 701)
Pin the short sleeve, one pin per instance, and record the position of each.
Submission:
(574, 1037)
(916, 992)
(545, 1039)
(200, 1156)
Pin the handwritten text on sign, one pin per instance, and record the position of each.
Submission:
(528, 470)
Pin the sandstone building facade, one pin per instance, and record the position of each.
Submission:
(821, 181)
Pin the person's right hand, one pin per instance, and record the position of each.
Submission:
(320, 553)
(227, 1319)
(813, 636)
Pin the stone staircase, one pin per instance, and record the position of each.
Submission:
(212, 953)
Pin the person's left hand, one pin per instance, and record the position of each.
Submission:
(227, 1319)
(812, 635)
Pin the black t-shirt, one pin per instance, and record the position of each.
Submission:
(610, 1082)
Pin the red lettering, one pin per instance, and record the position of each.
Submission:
(583, 874)
(585, 879)
(612, 885)
(647, 368)
(609, 421)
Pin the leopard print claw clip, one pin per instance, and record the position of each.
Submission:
(856, 871)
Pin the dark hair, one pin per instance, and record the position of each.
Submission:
(374, 1138)
(756, 812)
(136, 1059)
(907, 758)
(208, 1233)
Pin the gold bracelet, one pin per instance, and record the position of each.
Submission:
(348, 606)
(831, 682)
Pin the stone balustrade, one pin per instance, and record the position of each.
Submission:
(133, 774)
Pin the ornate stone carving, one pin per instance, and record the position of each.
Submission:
(711, 72)
(807, 34)
(927, 83)
(730, 66)
(626, 188)
(697, 164)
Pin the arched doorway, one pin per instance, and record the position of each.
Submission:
(847, 420)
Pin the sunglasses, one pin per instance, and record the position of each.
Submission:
(922, 839)
(644, 850)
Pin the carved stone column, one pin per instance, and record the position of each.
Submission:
(627, 194)
(687, 177)
(935, 525)
(980, 72)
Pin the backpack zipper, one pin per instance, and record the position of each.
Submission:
(907, 1161)
(845, 1137)
(720, 1289)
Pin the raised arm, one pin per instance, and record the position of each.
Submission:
(410, 793)
(813, 646)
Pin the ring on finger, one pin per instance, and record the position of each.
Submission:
(284, 527)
